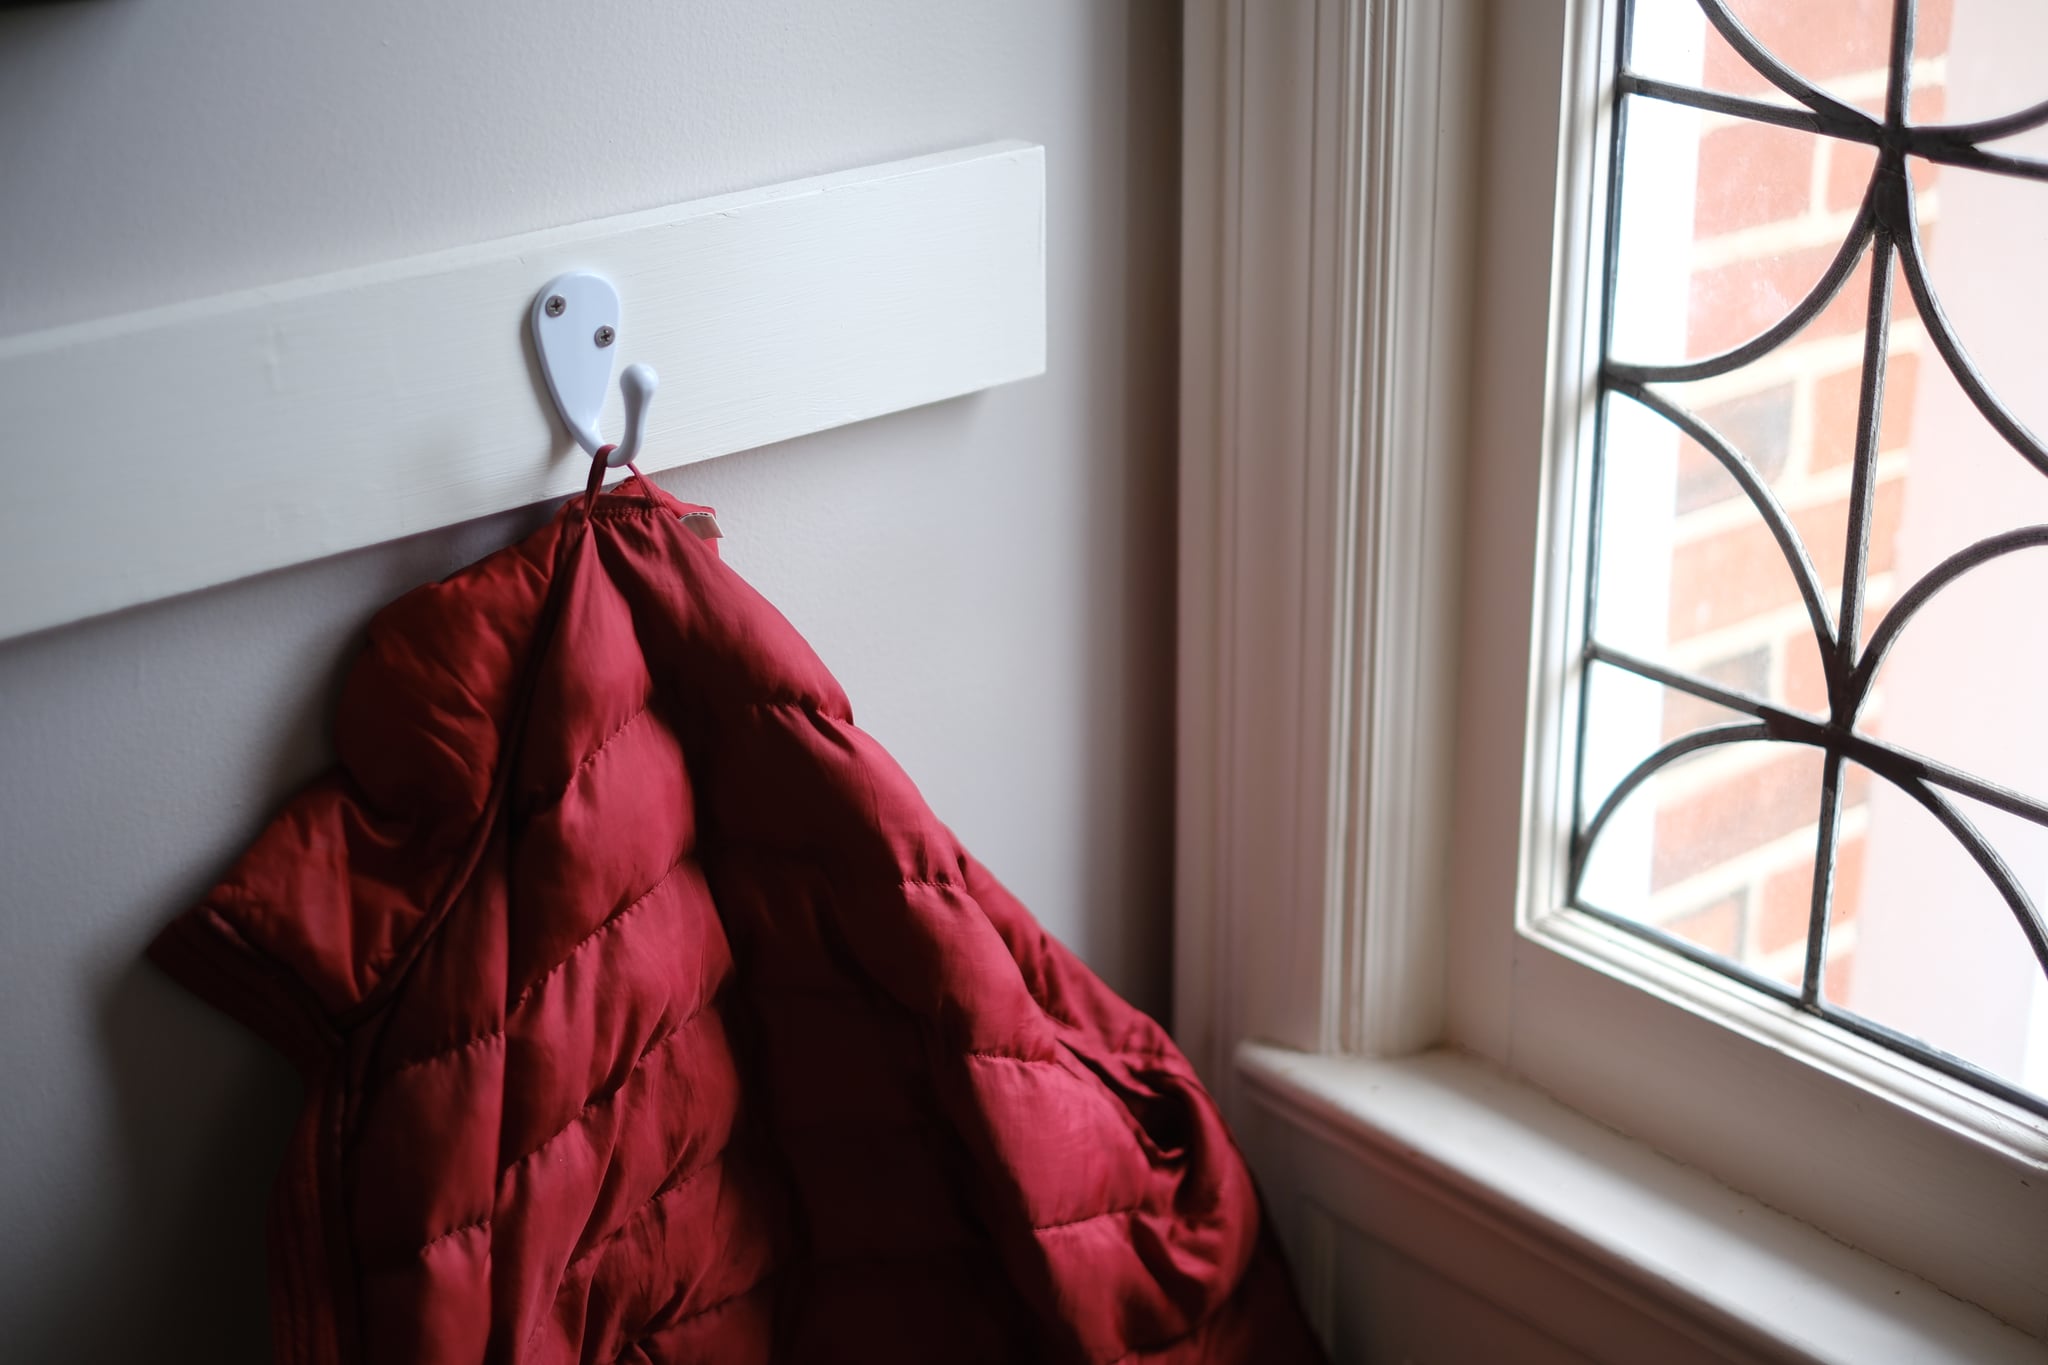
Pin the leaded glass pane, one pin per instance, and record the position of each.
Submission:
(1813, 744)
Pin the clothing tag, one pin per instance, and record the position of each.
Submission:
(704, 524)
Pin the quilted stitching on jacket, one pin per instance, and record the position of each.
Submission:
(648, 1014)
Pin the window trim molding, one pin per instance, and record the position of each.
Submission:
(1327, 222)
(1359, 581)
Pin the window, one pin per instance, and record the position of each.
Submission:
(1395, 252)
(1681, 1015)
(1812, 751)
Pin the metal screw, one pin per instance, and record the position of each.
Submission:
(556, 303)
(605, 336)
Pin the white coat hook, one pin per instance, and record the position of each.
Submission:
(576, 331)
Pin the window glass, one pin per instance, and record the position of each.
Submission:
(1814, 720)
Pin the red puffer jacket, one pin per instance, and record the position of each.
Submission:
(647, 1014)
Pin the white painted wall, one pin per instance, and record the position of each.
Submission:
(990, 578)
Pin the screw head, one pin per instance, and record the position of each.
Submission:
(556, 303)
(605, 336)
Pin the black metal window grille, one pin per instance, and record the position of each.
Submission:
(1886, 225)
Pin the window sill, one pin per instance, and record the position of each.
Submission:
(1501, 1161)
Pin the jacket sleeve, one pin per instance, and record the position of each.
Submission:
(329, 897)
(307, 922)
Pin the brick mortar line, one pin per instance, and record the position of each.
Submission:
(1810, 490)
(1751, 867)
(1818, 226)
(1868, 83)
(1694, 652)
(1717, 766)
(1723, 763)
(1806, 357)
(1791, 960)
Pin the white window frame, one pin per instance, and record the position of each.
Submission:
(1372, 682)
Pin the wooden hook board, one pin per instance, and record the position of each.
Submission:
(246, 432)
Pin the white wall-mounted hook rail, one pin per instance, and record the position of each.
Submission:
(576, 332)
(798, 307)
